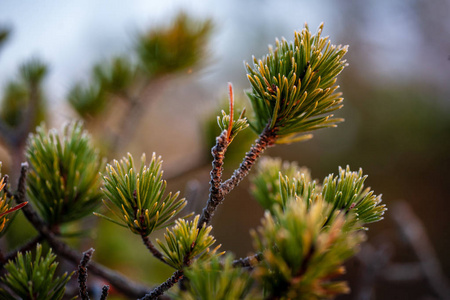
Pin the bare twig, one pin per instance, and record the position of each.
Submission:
(266, 139)
(414, 232)
(249, 261)
(121, 283)
(82, 274)
(105, 290)
(218, 189)
(215, 192)
(152, 248)
(158, 291)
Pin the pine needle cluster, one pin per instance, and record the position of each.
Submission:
(293, 87)
(34, 278)
(64, 180)
(136, 196)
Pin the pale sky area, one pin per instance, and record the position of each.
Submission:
(72, 35)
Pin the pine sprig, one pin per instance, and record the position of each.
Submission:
(64, 180)
(185, 241)
(175, 48)
(34, 278)
(216, 279)
(293, 87)
(275, 181)
(227, 122)
(136, 196)
(345, 192)
(301, 256)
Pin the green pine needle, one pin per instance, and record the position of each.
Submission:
(213, 279)
(64, 181)
(136, 196)
(276, 182)
(34, 278)
(301, 256)
(180, 46)
(185, 242)
(238, 125)
(293, 87)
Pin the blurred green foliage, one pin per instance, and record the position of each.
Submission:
(20, 93)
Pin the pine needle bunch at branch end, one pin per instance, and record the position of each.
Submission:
(136, 196)
(346, 192)
(216, 278)
(301, 256)
(175, 48)
(275, 181)
(227, 122)
(64, 180)
(34, 278)
(185, 241)
(293, 87)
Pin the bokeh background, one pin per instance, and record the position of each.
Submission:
(397, 112)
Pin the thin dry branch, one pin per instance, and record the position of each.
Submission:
(162, 288)
(82, 274)
(152, 248)
(414, 232)
(215, 192)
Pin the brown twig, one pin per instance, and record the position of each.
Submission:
(218, 190)
(162, 288)
(215, 192)
(82, 274)
(121, 283)
(105, 290)
(152, 248)
(249, 261)
(265, 140)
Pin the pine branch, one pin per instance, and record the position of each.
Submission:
(152, 248)
(249, 261)
(82, 273)
(161, 289)
(216, 195)
(265, 140)
(122, 284)
(105, 290)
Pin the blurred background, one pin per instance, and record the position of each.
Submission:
(397, 114)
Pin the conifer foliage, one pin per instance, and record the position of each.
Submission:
(309, 229)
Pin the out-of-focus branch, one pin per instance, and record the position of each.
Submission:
(373, 261)
(137, 106)
(413, 230)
